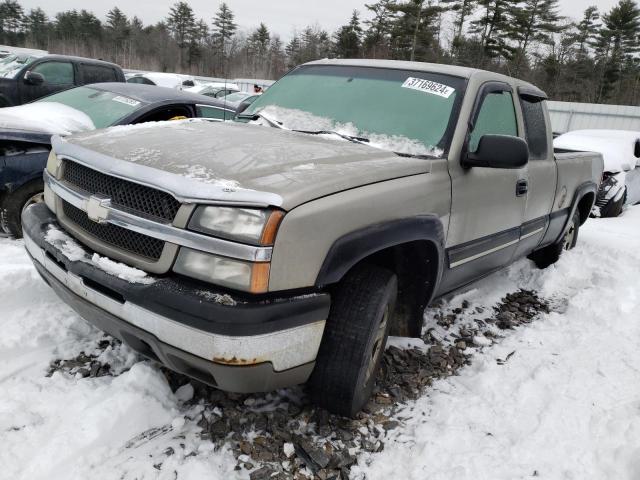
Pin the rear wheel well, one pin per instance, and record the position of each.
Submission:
(416, 266)
(584, 206)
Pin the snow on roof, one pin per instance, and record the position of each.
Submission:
(616, 146)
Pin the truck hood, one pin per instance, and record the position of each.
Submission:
(211, 162)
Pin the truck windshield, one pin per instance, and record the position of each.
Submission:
(407, 112)
(102, 107)
(12, 64)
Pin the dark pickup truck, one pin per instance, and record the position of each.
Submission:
(25, 78)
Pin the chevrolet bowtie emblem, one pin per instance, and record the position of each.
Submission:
(98, 208)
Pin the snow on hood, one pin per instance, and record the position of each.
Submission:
(616, 146)
(293, 119)
(46, 117)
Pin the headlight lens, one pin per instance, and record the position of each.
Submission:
(226, 272)
(53, 163)
(248, 225)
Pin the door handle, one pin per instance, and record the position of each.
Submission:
(522, 187)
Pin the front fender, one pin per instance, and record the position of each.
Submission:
(18, 170)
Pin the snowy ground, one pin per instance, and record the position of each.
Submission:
(565, 405)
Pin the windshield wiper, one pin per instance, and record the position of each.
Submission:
(350, 138)
(271, 121)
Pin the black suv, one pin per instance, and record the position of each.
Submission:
(24, 78)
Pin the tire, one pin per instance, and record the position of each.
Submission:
(16, 202)
(549, 255)
(354, 339)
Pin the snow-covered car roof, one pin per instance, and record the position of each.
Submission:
(618, 147)
(204, 87)
(168, 80)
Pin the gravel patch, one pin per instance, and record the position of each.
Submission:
(280, 435)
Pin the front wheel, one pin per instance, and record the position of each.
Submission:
(16, 202)
(354, 340)
(551, 254)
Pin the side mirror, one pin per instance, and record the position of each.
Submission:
(33, 78)
(498, 151)
(638, 163)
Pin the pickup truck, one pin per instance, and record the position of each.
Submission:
(24, 78)
(285, 247)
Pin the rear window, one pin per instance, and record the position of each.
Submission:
(535, 127)
(98, 74)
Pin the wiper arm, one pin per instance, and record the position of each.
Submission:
(271, 121)
(350, 138)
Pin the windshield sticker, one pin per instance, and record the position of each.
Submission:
(427, 86)
(127, 101)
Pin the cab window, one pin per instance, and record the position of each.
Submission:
(497, 116)
(535, 127)
(98, 74)
(56, 73)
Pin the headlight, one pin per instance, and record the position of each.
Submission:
(226, 272)
(247, 225)
(53, 163)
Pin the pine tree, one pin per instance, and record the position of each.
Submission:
(224, 27)
(348, 39)
(36, 24)
(181, 23)
(493, 28)
(587, 30)
(378, 35)
(414, 28)
(617, 45)
(10, 20)
(533, 21)
(118, 24)
(463, 9)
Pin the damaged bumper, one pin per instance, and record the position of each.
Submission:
(236, 344)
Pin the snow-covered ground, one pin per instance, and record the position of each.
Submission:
(565, 405)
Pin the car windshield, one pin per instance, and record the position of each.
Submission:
(12, 64)
(102, 107)
(407, 112)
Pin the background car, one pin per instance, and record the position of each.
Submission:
(25, 131)
(239, 101)
(621, 152)
(160, 79)
(214, 89)
(27, 77)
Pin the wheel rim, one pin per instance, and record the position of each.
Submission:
(378, 344)
(569, 237)
(37, 198)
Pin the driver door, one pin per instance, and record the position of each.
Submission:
(487, 206)
(58, 75)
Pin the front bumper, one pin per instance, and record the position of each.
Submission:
(248, 346)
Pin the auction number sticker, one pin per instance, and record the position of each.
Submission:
(126, 101)
(427, 86)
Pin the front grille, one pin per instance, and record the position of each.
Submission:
(130, 195)
(133, 242)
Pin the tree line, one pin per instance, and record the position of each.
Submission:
(594, 58)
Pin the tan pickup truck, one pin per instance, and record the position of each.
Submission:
(282, 248)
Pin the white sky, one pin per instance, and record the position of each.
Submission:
(281, 16)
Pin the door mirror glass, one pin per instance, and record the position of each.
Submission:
(499, 151)
(33, 78)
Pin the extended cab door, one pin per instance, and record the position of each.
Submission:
(541, 170)
(58, 75)
(96, 73)
(487, 206)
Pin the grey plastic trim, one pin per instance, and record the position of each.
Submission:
(284, 349)
(161, 231)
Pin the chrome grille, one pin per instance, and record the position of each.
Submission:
(128, 195)
(134, 242)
